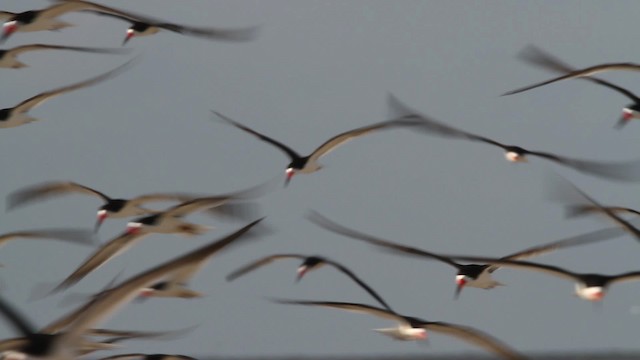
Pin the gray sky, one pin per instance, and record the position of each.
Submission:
(317, 69)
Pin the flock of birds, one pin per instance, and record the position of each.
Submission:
(75, 334)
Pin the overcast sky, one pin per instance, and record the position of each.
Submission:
(319, 68)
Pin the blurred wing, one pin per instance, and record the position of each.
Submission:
(536, 56)
(290, 152)
(260, 263)
(108, 251)
(40, 98)
(622, 171)
(354, 307)
(584, 209)
(30, 194)
(362, 284)
(322, 221)
(238, 34)
(562, 189)
(35, 47)
(475, 337)
(100, 308)
(583, 239)
(425, 124)
(340, 139)
(81, 236)
(195, 205)
(634, 275)
(579, 73)
(5, 15)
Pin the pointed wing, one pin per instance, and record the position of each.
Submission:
(43, 191)
(622, 171)
(196, 205)
(583, 239)
(322, 221)
(475, 337)
(103, 306)
(108, 251)
(580, 73)
(81, 236)
(254, 265)
(633, 275)
(430, 126)
(132, 356)
(536, 56)
(564, 189)
(584, 209)
(362, 284)
(290, 152)
(143, 199)
(35, 47)
(79, 5)
(40, 98)
(344, 137)
(213, 33)
(355, 307)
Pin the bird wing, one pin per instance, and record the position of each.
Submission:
(103, 306)
(362, 284)
(182, 197)
(475, 337)
(322, 221)
(195, 205)
(564, 189)
(106, 252)
(583, 209)
(582, 239)
(80, 5)
(215, 33)
(40, 98)
(344, 137)
(290, 152)
(30, 194)
(81, 236)
(633, 275)
(580, 73)
(35, 47)
(254, 265)
(622, 171)
(538, 57)
(6, 15)
(430, 126)
(355, 307)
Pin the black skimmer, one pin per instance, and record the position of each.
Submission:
(112, 207)
(142, 25)
(64, 337)
(42, 19)
(411, 328)
(8, 58)
(538, 57)
(308, 263)
(592, 70)
(589, 286)
(622, 171)
(17, 115)
(473, 275)
(140, 356)
(309, 164)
